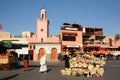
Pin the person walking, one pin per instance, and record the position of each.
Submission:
(43, 64)
(18, 63)
(26, 63)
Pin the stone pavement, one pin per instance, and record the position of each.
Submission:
(112, 72)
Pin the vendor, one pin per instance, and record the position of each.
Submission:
(67, 56)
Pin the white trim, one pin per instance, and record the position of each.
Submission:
(71, 28)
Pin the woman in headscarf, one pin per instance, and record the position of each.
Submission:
(43, 64)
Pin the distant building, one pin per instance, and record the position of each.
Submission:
(94, 38)
(5, 35)
(27, 34)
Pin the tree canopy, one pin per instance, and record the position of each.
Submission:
(117, 37)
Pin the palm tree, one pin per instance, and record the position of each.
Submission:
(117, 37)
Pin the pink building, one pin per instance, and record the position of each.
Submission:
(41, 43)
(71, 36)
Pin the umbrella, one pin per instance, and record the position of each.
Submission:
(12, 45)
(18, 45)
(1, 43)
(5, 44)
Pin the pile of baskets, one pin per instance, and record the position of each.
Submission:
(85, 65)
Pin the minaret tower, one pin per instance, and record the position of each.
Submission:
(42, 27)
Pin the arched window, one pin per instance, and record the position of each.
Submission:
(42, 16)
(33, 46)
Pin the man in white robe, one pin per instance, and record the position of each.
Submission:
(43, 64)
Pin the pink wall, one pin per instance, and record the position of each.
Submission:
(42, 24)
(34, 51)
(33, 39)
(53, 39)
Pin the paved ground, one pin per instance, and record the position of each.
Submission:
(112, 72)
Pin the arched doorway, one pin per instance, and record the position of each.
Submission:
(54, 55)
(41, 53)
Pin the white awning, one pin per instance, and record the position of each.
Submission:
(77, 46)
(19, 42)
(109, 46)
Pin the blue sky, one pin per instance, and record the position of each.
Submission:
(20, 15)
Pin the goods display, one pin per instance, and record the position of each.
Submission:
(8, 62)
(3, 59)
(86, 65)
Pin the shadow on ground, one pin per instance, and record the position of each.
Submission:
(10, 77)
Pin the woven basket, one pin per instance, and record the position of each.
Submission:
(74, 73)
(63, 72)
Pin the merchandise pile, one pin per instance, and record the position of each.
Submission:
(85, 65)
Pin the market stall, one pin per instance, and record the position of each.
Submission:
(8, 58)
(8, 62)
